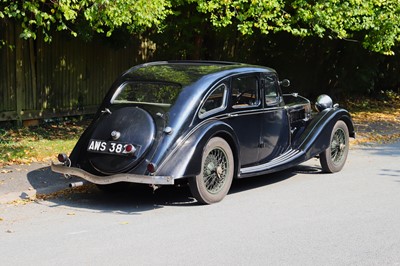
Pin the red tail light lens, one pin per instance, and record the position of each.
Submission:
(151, 167)
(62, 157)
(128, 148)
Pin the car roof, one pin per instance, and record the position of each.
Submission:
(186, 72)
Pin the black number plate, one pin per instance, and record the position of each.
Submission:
(110, 147)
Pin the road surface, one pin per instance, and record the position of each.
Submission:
(296, 217)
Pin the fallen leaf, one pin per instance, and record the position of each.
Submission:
(19, 202)
(5, 171)
(71, 213)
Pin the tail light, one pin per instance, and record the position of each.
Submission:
(151, 167)
(62, 157)
(129, 148)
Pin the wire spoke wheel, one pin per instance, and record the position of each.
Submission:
(334, 157)
(338, 146)
(215, 170)
(215, 178)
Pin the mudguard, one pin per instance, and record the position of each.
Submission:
(185, 160)
(316, 137)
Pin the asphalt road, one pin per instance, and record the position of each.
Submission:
(296, 217)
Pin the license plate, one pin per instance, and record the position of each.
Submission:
(110, 147)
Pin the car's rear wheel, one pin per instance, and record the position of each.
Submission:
(334, 157)
(217, 168)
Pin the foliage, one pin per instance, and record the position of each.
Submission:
(374, 23)
(103, 16)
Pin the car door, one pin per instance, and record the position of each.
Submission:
(275, 128)
(245, 114)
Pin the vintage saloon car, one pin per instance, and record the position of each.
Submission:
(206, 122)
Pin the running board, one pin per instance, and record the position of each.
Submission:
(282, 159)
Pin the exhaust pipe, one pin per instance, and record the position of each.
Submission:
(76, 184)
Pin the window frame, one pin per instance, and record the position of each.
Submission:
(221, 108)
(274, 80)
(258, 91)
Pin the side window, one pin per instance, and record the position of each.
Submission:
(245, 92)
(215, 102)
(271, 90)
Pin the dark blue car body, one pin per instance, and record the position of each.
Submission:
(157, 119)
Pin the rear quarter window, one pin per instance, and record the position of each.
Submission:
(215, 102)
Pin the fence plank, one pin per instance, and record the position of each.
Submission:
(7, 69)
(19, 74)
(65, 77)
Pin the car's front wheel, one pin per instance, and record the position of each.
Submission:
(217, 168)
(334, 157)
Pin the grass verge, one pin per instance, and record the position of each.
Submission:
(41, 143)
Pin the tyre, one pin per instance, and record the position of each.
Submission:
(217, 168)
(334, 157)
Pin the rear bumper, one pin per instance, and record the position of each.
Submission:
(104, 180)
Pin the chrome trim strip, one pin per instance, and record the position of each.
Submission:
(283, 158)
(256, 111)
(103, 180)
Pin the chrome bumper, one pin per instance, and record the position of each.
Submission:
(103, 180)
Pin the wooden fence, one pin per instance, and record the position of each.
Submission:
(66, 77)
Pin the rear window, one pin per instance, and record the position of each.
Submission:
(147, 92)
